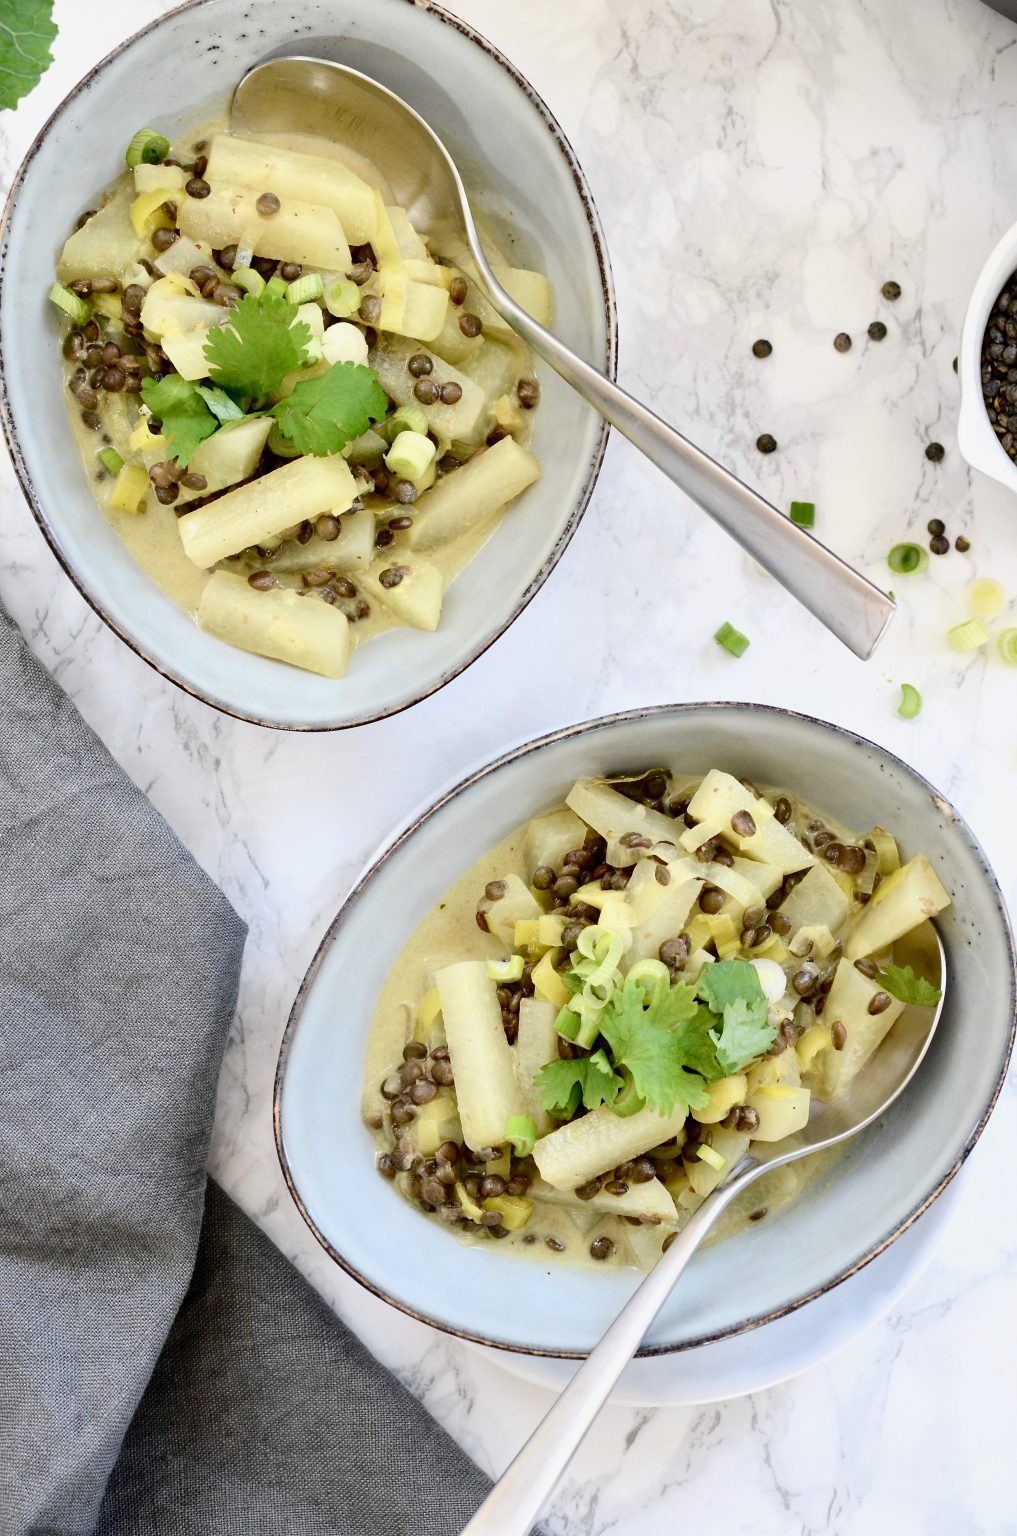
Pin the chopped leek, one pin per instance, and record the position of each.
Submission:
(345, 343)
(910, 702)
(69, 302)
(708, 1155)
(514, 1210)
(732, 639)
(969, 636)
(250, 281)
(410, 455)
(803, 513)
(275, 288)
(521, 1131)
(628, 1101)
(907, 559)
(131, 489)
(1007, 643)
(111, 460)
(986, 598)
(342, 298)
(408, 418)
(506, 970)
(304, 290)
(148, 147)
(649, 974)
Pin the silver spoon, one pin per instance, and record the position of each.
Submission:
(519, 1496)
(305, 95)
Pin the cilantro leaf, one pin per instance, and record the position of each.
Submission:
(186, 419)
(732, 988)
(902, 983)
(322, 415)
(744, 1035)
(259, 346)
(588, 1080)
(219, 403)
(26, 30)
(730, 981)
(655, 1043)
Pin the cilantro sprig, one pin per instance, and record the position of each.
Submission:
(322, 415)
(669, 1042)
(248, 359)
(733, 990)
(189, 413)
(902, 983)
(587, 1082)
(262, 342)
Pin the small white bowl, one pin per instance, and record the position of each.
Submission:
(882, 1182)
(975, 437)
(525, 179)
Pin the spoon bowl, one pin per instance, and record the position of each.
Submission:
(304, 95)
(514, 1504)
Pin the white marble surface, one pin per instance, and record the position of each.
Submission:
(761, 168)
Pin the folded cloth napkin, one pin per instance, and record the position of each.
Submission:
(149, 1384)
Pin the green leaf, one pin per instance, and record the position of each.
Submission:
(521, 1131)
(26, 30)
(322, 415)
(733, 990)
(902, 983)
(730, 981)
(186, 419)
(660, 1044)
(259, 347)
(219, 403)
(588, 1080)
(744, 1036)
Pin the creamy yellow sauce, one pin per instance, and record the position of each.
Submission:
(152, 536)
(448, 933)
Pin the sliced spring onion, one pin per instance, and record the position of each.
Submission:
(346, 343)
(408, 418)
(732, 639)
(969, 636)
(410, 455)
(250, 281)
(275, 288)
(69, 302)
(803, 513)
(111, 460)
(986, 598)
(907, 559)
(649, 974)
(628, 1101)
(521, 1131)
(506, 970)
(304, 290)
(148, 147)
(568, 1023)
(342, 298)
(910, 702)
(1007, 643)
(708, 1155)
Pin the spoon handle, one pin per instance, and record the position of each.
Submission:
(517, 1499)
(851, 607)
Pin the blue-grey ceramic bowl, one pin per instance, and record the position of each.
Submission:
(873, 1192)
(524, 178)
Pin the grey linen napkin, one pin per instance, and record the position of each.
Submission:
(149, 1385)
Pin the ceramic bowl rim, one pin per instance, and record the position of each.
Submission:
(976, 439)
(404, 833)
(580, 502)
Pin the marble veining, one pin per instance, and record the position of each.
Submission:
(761, 167)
